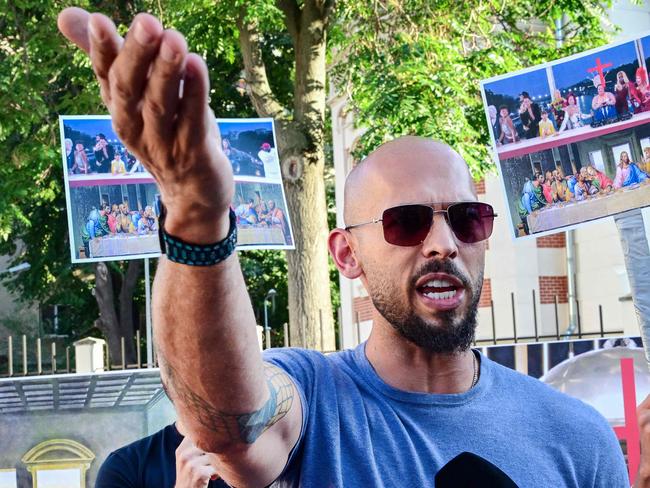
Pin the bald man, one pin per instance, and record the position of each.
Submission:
(412, 406)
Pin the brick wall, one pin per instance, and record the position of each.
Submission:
(554, 240)
(486, 293)
(363, 306)
(550, 286)
(480, 186)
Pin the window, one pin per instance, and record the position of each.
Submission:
(8, 478)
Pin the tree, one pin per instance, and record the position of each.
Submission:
(268, 36)
(412, 67)
(407, 67)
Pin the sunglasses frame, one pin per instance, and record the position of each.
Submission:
(444, 211)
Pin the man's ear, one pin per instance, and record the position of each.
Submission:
(342, 252)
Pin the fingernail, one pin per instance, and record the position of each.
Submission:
(141, 34)
(167, 53)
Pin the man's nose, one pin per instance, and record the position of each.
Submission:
(440, 242)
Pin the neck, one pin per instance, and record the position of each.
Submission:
(407, 367)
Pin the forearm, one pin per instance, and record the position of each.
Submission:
(208, 351)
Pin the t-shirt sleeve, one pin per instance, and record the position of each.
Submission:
(117, 472)
(612, 470)
(302, 366)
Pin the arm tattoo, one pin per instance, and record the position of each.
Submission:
(244, 427)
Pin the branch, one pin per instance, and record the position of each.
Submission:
(291, 13)
(264, 101)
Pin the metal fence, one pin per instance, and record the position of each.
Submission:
(46, 357)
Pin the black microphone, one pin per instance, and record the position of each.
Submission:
(467, 470)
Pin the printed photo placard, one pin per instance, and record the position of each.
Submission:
(571, 138)
(113, 203)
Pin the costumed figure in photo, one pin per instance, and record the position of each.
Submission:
(599, 179)
(276, 217)
(104, 154)
(147, 222)
(641, 94)
(111, 218)
(573, 116)
(546, 127)
(583, 187)
(92, 228)
(117, 165)
(246, 214)
(260, 207)
(80, 165)
(532, 198)
(559, 188)
(69, 154)
(124, 221)
(628, 173)
(508, 131)
(622, 95)
(269, 157)
(494, 122)
(546, 187)
(530, 116)
(557, 106)
(645, 164)
(241, 162)
(603, 105)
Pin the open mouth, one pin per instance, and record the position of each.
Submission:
(440, 292)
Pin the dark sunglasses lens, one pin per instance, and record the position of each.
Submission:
(407, 225)
(471, 221)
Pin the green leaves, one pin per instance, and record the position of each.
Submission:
(413, 67)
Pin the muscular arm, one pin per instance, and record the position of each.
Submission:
(232, 404)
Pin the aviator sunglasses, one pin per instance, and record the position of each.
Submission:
(409, 225)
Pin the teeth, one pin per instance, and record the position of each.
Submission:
(441, 296)
(438, 283)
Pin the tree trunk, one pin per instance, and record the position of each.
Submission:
(127, 327)
(114, 326)
(301, 147)
(309, 283)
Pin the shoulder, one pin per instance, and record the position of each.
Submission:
(123, 467)
(548, 404)
(308, 368)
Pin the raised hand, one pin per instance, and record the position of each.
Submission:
(157, 95)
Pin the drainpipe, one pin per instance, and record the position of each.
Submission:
(571, 281)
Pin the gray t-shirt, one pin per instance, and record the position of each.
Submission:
(360, 432)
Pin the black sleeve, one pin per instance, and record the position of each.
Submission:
(118, 471)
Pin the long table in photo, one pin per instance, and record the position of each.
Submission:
(248, 236)
(123, 244)
(570, 213)
(527, 146)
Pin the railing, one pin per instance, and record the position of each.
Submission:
(51, 362)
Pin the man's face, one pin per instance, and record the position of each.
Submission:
(601, 89)
(504, 112)
(429, 292)
(544, 116)
(271, 204)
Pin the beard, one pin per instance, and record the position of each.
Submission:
(453, 332)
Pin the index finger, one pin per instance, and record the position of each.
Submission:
(73, 24)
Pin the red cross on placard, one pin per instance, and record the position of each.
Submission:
(600, 68)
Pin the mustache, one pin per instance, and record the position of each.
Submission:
(442, 266)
